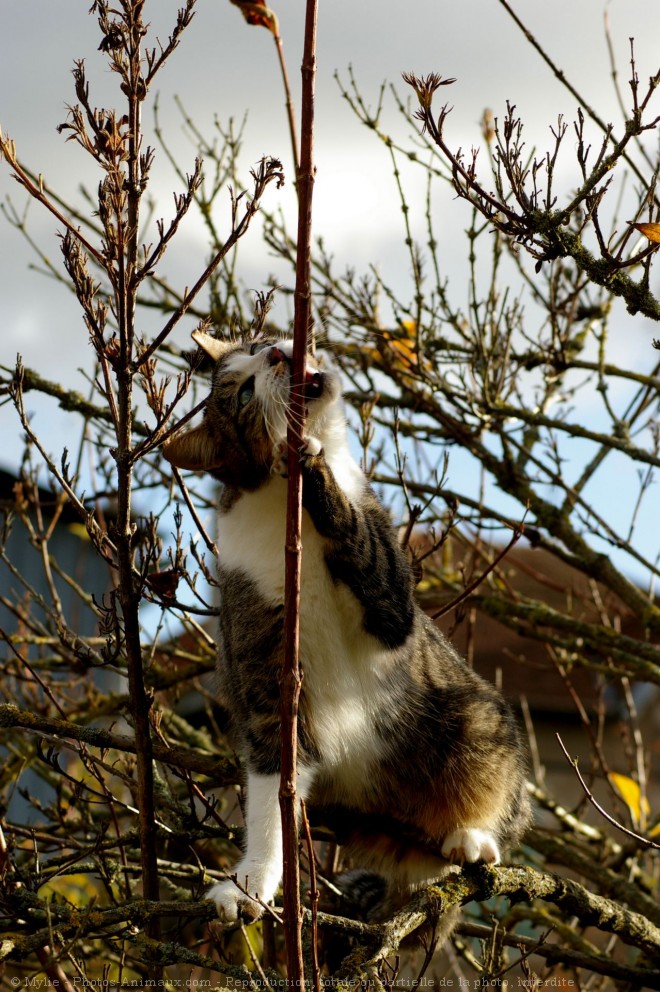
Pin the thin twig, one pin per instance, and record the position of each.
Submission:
(37, 192)
(313, 899)
(210, 544)
(268, 171)
(610, 819)
(517, 534)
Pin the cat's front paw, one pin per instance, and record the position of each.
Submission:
(470, 844)
(310, 449)
(232, 904)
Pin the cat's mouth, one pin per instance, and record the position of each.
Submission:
(314, 384)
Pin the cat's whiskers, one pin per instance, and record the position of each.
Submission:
(277, 414)
(274, 418)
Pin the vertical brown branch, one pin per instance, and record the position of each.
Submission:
(291, 675)
(129, 591)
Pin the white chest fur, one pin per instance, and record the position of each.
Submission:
(251, 538)
(343, 666)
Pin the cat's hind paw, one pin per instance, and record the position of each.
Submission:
(470, 844)
(232, 904)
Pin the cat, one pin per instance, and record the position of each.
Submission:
(413, 757)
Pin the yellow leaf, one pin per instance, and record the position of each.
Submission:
(396, 351)
(631, 794)
(79, 530)
(650, 231)
(402, 352)
(79, 890)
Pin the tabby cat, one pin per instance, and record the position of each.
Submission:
(404, 748)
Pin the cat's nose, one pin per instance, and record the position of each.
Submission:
(276, 356)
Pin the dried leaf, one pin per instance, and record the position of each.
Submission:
(401, 350)
(164, 584)
(397, 352)
(631, 794)
(257, 12)
(650, 231)
(114, 39)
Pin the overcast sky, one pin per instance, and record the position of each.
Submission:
(226, 69)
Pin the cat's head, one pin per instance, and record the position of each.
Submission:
(245, 416)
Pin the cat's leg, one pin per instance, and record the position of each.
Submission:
(259, 872)
(260, 869)
(362, 549)
(489, 806)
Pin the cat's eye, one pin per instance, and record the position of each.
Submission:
(258, 346)
(246, 392)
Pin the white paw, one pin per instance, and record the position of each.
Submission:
(232, 904)
(470, 844)
(311, 446)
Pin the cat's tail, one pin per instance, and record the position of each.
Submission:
(361, 894)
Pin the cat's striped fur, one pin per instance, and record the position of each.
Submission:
(413, 757)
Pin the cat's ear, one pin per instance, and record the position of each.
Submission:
(214, 347)
(193, 449)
